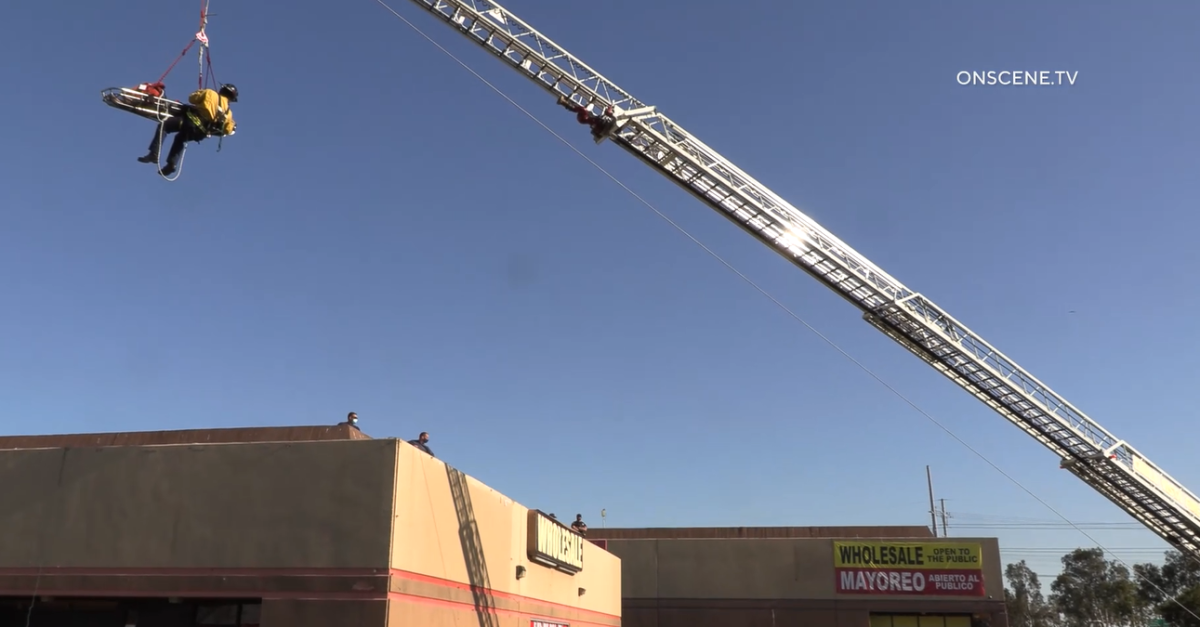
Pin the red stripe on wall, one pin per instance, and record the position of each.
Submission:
(197, 593)
(192, 572)
(447, 583)
(392, 596)
(280, 572)
(459, 605)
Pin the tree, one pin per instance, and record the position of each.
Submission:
(1180, 572)
(1184, 612)
(1024, 603)
(1153, 590)
(1171, 591)
(1094, 592)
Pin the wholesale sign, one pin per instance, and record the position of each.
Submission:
(909, 568)
(550, 543)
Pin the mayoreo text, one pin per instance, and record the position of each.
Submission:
(1007, 78)
(909, 582)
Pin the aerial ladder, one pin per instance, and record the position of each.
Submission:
(1109, 465)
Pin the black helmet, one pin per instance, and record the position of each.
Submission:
(229, 91)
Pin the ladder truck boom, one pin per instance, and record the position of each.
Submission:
(1107, 464)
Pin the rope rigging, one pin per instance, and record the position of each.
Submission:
(203, 59)
(148, 100)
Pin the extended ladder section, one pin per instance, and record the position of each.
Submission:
(1108, 464)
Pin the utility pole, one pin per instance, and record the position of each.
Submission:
(945, 533)
(932, 510)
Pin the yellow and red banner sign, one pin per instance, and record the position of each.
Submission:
(908, 568)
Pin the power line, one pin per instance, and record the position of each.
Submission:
(1051, 526)
(1069, 549)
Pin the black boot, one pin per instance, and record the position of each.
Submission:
(149, 158)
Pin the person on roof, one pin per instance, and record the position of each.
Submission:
(351, 420)
(422, 443)
(206, 114)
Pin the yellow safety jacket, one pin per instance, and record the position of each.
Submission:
(210, 112)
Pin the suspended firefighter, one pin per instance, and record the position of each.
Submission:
(206, 114)
(601, 125)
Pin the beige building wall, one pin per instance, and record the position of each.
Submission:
(367, 532)
(453, 529)
(263, 505)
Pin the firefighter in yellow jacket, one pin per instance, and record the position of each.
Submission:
(208, 114)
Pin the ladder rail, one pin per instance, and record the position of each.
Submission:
(986, 374)
(1106, 463)
(471, 541)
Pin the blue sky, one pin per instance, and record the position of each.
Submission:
(387, 235)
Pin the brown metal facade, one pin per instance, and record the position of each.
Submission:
(185, 436)
(776, 577)
(684, 533)
(803, 613)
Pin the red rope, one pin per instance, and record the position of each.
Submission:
(203, 75)
(211, 73)
(172, 66)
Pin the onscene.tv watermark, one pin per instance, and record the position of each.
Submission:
(1010, 78)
